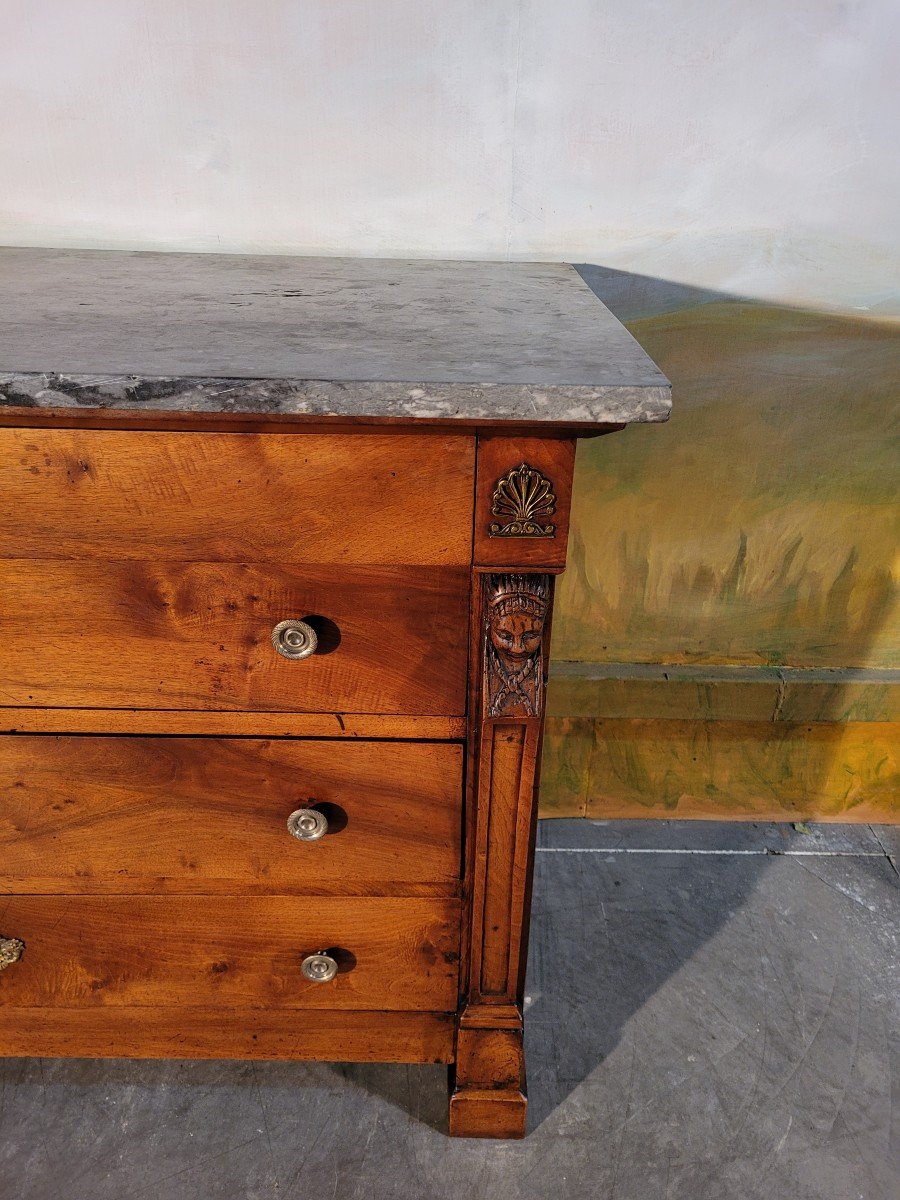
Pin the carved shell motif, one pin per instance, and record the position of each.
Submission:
(524, 497)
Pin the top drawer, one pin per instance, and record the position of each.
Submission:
(225, 497)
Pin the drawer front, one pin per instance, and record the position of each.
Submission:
(223, 497)
(96, 634)
(154, 814)
(326, 1035)
(133, 951)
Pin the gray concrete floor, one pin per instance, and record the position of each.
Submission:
(712, 1013)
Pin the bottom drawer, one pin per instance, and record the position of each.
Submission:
(180, 951)
(316, 1034)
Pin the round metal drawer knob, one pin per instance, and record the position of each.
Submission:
(294, 639)
(307, 824)
(11, 950)
(319, 968)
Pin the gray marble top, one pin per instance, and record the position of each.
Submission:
(326, 337)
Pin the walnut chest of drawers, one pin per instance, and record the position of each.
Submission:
(278, 540)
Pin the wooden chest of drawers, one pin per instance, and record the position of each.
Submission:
(278, 540)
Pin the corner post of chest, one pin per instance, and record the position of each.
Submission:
(522, 500)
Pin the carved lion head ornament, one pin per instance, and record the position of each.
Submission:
(515, 613)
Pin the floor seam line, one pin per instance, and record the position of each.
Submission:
(750, 853)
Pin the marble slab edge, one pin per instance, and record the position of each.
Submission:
(521, 403)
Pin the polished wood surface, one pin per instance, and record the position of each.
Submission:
(124, 814)
(487, 1113)
(488, 1098)
(227, 1032)
(100, 634)
(507, 774)
(226, 724)
(110, 951)
(158, 743)
(242, 498)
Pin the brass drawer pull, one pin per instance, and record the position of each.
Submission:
(319, 968)
(294, 639)
(307, 824)
(11, 950)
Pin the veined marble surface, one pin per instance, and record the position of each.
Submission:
(317, 336)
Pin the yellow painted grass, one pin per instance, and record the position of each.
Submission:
(760, 525)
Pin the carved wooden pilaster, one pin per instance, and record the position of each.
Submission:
(510, 630)
(523, 489)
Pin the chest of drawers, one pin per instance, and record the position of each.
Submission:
(278, 540)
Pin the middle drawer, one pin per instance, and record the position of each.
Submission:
(205, 815)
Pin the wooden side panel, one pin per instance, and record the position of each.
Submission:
(198, 636)
(223, 952)
(227, 1033)
(536, 503)
(502, 760)
(221, 497)
(509, 756)
(124, 814)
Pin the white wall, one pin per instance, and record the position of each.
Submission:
(747, 145)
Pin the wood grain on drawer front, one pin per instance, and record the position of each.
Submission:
(86, 952)
(220, 497)
(131, 814)
(336, 1035)
(96, 634)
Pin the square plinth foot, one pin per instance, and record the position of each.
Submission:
(487, 1113)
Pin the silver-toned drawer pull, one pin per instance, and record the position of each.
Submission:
(319, 968)
(294, 639)
(11, 950)
(307, 824)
